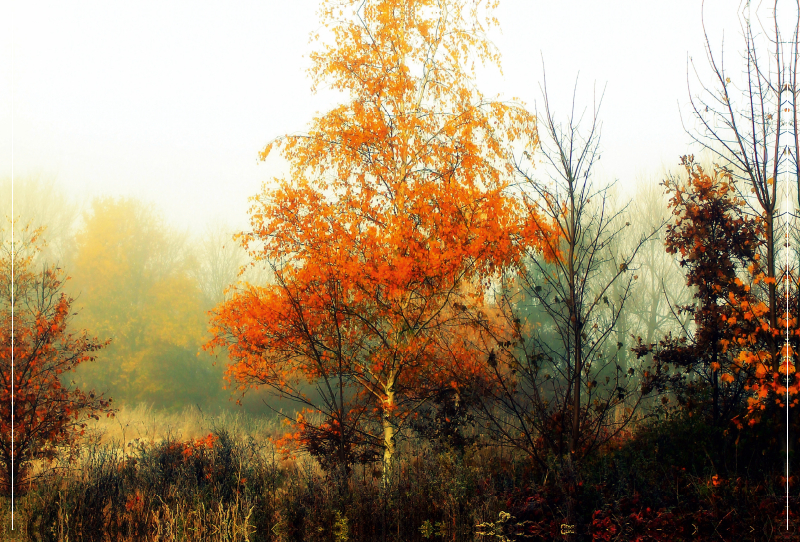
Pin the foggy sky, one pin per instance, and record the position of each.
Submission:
(172, 101)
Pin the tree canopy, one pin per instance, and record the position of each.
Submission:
(394, 217)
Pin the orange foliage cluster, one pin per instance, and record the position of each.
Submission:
(196, 446)
(719, 245)
(47, 413)
(397, 210)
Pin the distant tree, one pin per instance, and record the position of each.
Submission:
(45, 204)
(39, 410)
(135, 277)
(221, 262)
(661, 287)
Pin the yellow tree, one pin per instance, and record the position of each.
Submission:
(394, 217)
(134, 280)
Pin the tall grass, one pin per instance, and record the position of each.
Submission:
(192, 476)
(150, 476)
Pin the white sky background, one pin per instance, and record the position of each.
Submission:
(172, 101)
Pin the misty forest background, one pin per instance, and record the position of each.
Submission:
(149, 286)
(144, 283)
(667, 448)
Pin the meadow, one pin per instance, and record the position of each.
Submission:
(147, 475)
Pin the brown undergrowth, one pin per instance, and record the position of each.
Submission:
(155, 477)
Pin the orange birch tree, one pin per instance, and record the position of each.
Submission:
(392, 221)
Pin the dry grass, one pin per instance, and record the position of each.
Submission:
(143, 423)
(133, 480)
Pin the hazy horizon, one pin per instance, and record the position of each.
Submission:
(172, 103)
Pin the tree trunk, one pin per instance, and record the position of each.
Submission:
(576, 399)
(388, 452)
(715, 372)
(773, 308)
(388, 436)
(572, 500)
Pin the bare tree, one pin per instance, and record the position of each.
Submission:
(223, 265)
(750, 124)
(219, 260)
(40, 202)
(661, 286)
(557, 380)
